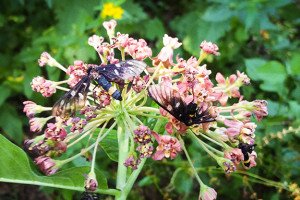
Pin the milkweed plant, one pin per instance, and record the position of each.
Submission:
(231, 126)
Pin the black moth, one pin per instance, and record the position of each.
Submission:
(103, 75)
(246, 150)
(89, 196)
(172, 102)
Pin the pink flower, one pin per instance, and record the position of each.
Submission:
(89, 112)
(176, 124)
(45, 56)
(90, 183)
(227, 88)
(209, 48)
(46, 165)
(103, 97)
(226, 164)
(138, 49)
(253, 157)
(234, 127)
(139, 83)
(95, 41)
(110, 27)
(168, 147)
(132, 162)
(145, 150)
(76, 72)
(31, 108)
(77, 124)
(45, 87)
(55, 132)
(122, 40)
(242, 130)
(36, 124)
(142, 134)
(165, 56)
(207, 193)
(235, 155)
(261, 109)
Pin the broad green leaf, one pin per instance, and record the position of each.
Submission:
(295, 64)
(193, 29)
(217, 13)
(183, 182)
(110, 145)
(272, 73)
(17, 168)
(11, 123)
(294, 109)
(5, 92)
(251, 67)
(154, 29)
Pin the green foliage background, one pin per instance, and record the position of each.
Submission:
(259, 37)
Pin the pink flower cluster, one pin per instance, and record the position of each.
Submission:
(45, 87)
(76, 72)
(168, 147)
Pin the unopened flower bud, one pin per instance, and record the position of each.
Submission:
(91, 183)
(207, 193)
(46, 165)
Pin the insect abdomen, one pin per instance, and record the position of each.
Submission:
(107, 86)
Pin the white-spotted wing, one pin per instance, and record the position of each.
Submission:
(171, 101)
(72, 100)
(122, 71)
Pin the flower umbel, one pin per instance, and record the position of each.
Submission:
(109, 100)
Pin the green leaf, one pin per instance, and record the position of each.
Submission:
(11, 123)
(154, 29)
(110, 145)
(217, 13)
(5, 92)
(251, 67)
(273, 75)
(17, 168)
(294, 109)
(183, 182)
(294, 64)
(194, 30)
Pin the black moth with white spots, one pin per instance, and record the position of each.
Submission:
(246, 149)
(172, 102)
(103, 76)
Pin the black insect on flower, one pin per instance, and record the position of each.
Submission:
(89, 196)
(171, 101)
(246, 150)
(103, 76)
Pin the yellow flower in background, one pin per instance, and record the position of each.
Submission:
(110, 10)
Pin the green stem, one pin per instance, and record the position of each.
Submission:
(62, 162)
(123, 142)
(113, 192)
(202, 144)
(132, 178)
(210, 139)
(96, 147)
(190, 161)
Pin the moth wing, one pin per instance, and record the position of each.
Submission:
(170, 101)
(123, 70)
(74, 98)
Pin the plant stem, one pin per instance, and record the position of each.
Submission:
(123, 142)
(190, 161)
(96, 147)
(132, 178)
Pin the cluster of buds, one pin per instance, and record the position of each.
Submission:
(143, 139)
(228, 125)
